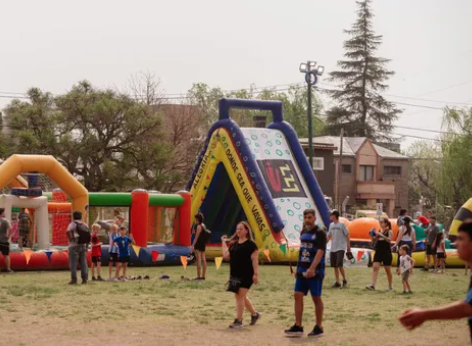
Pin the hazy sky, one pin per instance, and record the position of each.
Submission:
(52, 44)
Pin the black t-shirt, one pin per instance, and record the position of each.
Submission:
(240, 259)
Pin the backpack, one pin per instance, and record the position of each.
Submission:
(83, 232)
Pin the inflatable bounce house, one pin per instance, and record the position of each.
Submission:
(359, 230)
(159, 223)
(260, 175)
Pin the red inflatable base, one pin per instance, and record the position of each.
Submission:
(40, 261)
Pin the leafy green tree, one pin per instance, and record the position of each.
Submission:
(455, 177)
(425, 164)
(361, 109)
(98, 135)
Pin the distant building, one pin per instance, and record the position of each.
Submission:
(370, 173)
(323, 164)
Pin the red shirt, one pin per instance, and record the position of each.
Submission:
(424, 221)
(96, 250)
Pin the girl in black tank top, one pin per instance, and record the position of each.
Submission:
(383, 253)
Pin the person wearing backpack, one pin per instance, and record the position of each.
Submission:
(78, 235)
(202, 235)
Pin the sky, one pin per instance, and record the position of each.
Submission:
(52, 44)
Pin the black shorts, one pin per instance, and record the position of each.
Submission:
(246, 283)
(96, 259)
(337, 258)
(124, 259)
(5, 248)
(430, 250)
(200, 247)
(384, 257)
(441, 255)
(113, 257)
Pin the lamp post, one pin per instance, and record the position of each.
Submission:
(311, 72)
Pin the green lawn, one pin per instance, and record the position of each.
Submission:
(41, 309)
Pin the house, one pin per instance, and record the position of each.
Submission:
(371, 174)
(323, 164)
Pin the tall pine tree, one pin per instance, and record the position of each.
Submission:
(361, 110)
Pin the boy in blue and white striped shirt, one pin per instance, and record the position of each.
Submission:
(113, 249)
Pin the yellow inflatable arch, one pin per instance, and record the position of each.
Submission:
(17, 164)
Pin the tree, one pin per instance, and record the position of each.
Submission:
(361, 110)
(455, 177)
(425, 164)
(98, 135)
(145, 88)
(294, 102)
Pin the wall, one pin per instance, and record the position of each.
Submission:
(348, 181)
(326, 177)
(401, 182)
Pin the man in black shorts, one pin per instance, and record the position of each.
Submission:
(431, 233)
(5, 234)
(340, 242)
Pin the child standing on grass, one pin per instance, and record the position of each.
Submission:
(406, 267)
(123, 242)
(440, 253)
(96, 252)
(113, 249)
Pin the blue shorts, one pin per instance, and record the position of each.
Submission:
(314, 285)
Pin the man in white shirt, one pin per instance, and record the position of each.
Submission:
(340, 241)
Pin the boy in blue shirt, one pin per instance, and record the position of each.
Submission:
(310, 273)
(122, 243)
(416, 317)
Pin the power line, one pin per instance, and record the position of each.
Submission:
(448, 87)
(425, 130)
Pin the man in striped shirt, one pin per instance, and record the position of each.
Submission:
(310, 273)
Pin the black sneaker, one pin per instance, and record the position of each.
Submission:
(99, 279)
(255, 318)
(316, 333)
(93, 278)
(237, 324)
(344, 283)
(336, 285)
(294, 330)
(72, 282)
(84, 282)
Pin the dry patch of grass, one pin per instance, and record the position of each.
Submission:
(40, 308)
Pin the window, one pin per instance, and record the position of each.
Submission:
(392, 170)
(318, 163)
(347, 169)
(366, 173)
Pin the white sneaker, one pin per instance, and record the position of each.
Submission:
(390, 289)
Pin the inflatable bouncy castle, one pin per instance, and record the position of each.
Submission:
(159, 223)
(259, 175)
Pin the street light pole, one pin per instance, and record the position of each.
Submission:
(310, 126)
(311, 72)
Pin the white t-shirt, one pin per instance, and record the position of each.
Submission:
(338, 232)
(405, 263)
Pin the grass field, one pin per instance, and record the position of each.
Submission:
(41, 309)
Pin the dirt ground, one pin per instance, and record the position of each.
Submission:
(41, 309)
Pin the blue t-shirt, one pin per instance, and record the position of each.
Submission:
(123, 245)
(310, 242)
(468, 299)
